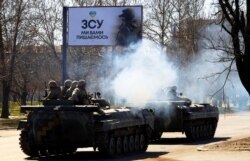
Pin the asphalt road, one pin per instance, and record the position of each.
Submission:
(173, 146)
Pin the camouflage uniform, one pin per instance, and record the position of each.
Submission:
(129, 30)
(71, 89)
(67, 84)
(54, 91)
(79, 95)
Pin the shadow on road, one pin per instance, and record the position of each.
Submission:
(185, 141)
(91, 156)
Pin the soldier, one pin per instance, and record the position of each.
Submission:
(67, 84)
(172, 93)
(54, 91)
(71, 89)
(129, 30)
(79, 95)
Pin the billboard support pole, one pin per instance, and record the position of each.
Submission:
(64, 45)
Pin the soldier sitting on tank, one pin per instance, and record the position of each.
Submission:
(172, 93)
(80, 95)
(54, 91)
(71, 89)
(65, 87)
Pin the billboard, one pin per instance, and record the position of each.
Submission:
(104, 25)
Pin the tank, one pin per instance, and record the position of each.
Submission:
(175, 113)
(59, 127)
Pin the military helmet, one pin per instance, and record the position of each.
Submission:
(74, 84)
(52, 84)
(128, 14)
(81, 83)
(67, 83)
(174, 88)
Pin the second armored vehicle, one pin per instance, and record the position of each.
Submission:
(177, 114)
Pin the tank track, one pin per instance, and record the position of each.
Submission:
(32, 149)
(115, 146)
(124, 144)
(26, 144)
(29, 148)
(200, 129)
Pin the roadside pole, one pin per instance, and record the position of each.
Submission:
(64, 45)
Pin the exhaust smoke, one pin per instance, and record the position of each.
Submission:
(141, 74)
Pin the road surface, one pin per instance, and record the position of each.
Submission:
(172, 147)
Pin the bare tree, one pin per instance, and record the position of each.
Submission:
(19, 35)
(13, 16)
(237, 15)
(49, 20)
(5, 107)
(159, 21)
(83, 2)
(187, 23)
(170, 18)
(175, 25)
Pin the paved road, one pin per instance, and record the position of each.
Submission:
(173, 146)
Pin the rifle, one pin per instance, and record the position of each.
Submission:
(45, 90)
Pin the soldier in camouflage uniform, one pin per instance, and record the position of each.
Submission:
(129, 30)
(71, 89)
(79, 95)
(67, 84)
(54, 91)
(172, 93)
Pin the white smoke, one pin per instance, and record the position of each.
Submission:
(201, 79)
(142, 73)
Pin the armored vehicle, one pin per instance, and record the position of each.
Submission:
(174, 113)
(59, 127)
